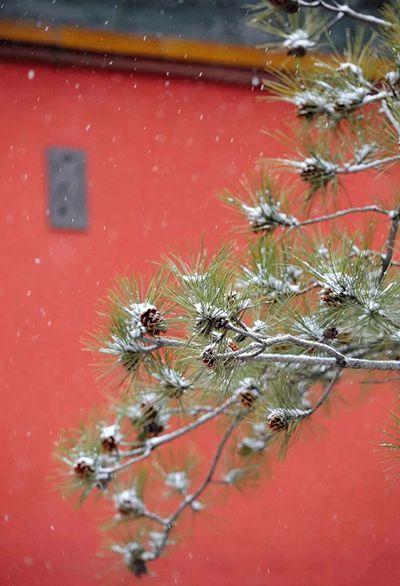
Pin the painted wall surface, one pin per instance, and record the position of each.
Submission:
(157, 151)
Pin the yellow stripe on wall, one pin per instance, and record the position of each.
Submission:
(169, 49)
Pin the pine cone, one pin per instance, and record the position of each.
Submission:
(312, 173)
(135, 563)
(84, 467)
(208, 356)
(109, 444)
(151, 429)
(138, 568)
(153, 321)
(124, 509)
(248, 396)
(317, 173)
(297, 52)
(289, 6)
(128, 504)
(277, 422)
(151, 425)
(330, 333)
(220, 323)
(331, 297)
(307, 110)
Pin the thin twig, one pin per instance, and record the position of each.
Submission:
(346, 169)
(387, 258)
(327, 390)
(339, 214)
(389, 115)
(155, 442)
(162, 439)
(346, 10)
(266, 342)
(359, 167)
(189, 499)
(123, 465)
(154, 517)
(351, 363)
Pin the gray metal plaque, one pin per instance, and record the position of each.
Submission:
(67, 188)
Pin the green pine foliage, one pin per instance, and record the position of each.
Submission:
(256, 338)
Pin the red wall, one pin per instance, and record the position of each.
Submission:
(156, 154)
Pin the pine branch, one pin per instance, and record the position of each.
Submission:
(340, 214)
(334, 169)
(327, 391)
(156, 442)
(351, 363)
(266, 342)
(154, 517)
(251, 331)
(392, 119)
(189, 499)
(346, 10)
(357, 168)
(387, 258)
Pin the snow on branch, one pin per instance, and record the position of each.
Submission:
(248, 343)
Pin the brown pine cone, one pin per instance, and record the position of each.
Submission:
(135, 562)
(310, 172)
(151, 426)
(289, 6)
(248, 397)
(331, 298)
(109, 444)
(277, 423)
(208, 356)
(330, 333)
(316, 174)
(153, 321)
(248, 393)
(138, 567)
(297, 52)
(84, 467)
